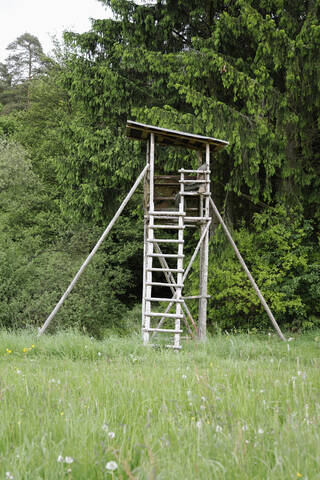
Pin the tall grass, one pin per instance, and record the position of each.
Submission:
(236, 407)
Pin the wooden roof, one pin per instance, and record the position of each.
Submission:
(164, 136)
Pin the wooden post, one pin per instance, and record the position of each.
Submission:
(90, 256)
(204, 256)
(145, 206)
(149, 247)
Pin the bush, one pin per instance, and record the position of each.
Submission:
(282, 254)
(40, 252)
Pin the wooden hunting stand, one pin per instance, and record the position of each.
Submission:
(172, 203)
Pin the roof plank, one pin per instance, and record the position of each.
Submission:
(165, 136)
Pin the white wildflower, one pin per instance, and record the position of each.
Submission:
(99, 354)
(18, 372)
(245, 427)
(105, 427)
(60, 459)
(260, 431)
(202, 407)
(111, 434)
(111, 466)
(218, 429)
(199, 424)
(203, 399)
(184, 376)
(9, 476)
(68, 460)
(69, 470)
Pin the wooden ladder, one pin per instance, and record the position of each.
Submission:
(158, 222)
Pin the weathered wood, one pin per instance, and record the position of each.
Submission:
(149, 247)
(204, 256)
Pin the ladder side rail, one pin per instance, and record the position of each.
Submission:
(145, 221)
(179, 265)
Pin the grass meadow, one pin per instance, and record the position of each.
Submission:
(236, 407)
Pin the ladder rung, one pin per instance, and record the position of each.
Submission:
(166, 315)
(162, 330)
(182, 170)
(173, 270)
(194, 181)
(163, 284)
(193, 297)
(156, 299)
(164, 217)
(193, 194)
(172, 213)
(172, 227)
(168, 255)
(164, 240)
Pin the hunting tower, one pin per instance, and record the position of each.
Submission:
(173, 203)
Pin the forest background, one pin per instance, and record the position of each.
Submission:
(241, 70)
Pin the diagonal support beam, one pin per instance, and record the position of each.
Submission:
(170, 279)
(89, 258)
(245, 268)
(188, 270)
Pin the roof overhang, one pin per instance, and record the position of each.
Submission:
(164, 136)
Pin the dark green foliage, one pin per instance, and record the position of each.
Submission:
(41, 252)
(244, 71)
(279, 251)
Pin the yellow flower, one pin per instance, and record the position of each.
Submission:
(299, 474)
(32, 346)
(25, 349)
(61, 413)
(9, 351)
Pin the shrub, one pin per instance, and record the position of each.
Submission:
(281, 251)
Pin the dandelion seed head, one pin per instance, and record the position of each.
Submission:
(111, 466)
